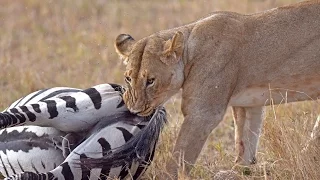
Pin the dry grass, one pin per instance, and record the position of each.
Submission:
(70, 43)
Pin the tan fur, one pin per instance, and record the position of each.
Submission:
(245, 61)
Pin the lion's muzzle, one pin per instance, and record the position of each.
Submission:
(137, 105)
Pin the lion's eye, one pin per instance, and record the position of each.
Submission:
(128, 79)
(150, 81)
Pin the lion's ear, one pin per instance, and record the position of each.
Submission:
(173, 49)
(123, 46)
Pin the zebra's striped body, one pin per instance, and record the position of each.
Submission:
(62, 108)
(116, 143)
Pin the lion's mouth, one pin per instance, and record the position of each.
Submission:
(150, 109)
(147, 112)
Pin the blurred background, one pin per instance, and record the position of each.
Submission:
(47, 43)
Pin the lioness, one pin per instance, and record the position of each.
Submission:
(226, 59)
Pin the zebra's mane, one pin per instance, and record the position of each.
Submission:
(136, 149)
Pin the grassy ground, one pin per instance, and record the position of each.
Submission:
(70, 43)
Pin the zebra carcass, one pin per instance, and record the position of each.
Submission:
(115, 143)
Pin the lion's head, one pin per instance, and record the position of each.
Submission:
(154, 70)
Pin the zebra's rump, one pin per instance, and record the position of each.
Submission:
(119, 144)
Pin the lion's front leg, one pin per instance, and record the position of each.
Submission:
(193, 135)
(248, 121)
(201, 116)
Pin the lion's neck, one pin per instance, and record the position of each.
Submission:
(184, 64)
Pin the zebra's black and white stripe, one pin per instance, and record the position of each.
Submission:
(41, 147)
(33, 148)
(118, 144)
(66, 109)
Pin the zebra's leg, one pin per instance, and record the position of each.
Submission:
(31, 176)
(248, 123)
(69, 142)
(64, 171)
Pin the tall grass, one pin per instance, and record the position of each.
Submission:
(70, 43)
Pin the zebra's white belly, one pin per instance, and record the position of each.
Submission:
(30, 148)
(35, 160)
